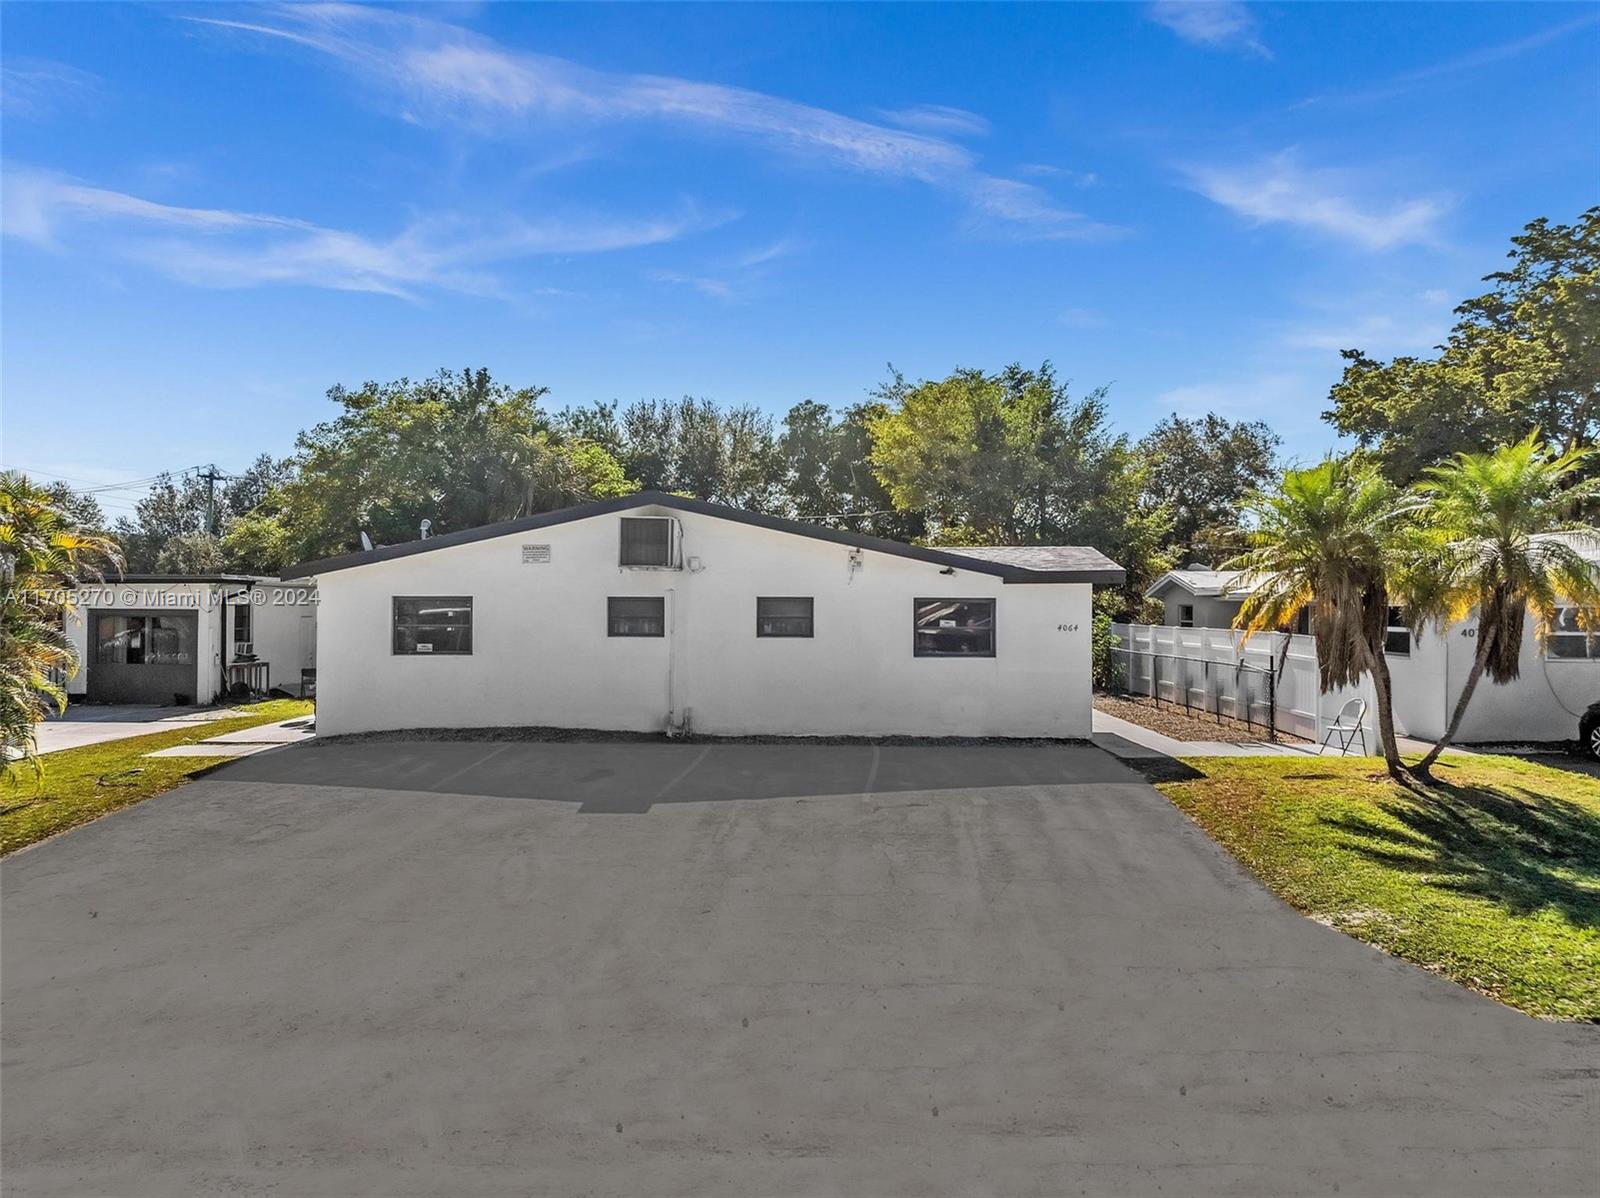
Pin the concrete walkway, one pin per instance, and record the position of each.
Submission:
(247, 741)
(1131, 742)
(93, 723)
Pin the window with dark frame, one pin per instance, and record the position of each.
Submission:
(1572, 634)
(241, 622)
(144, 640)
(646, 541)
(1397, 636)
(437, 625)
(953, 627)
(1185, 615)
(785, 616)
(636, 616)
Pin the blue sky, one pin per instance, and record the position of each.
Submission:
(212, 214)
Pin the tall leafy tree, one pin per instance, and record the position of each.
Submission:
(457, 449)
(44, 556)
(1202, 471)
(1328, 537)
(1490, 519)
(1523, 356)
(828, 476)
(1012, 459)
(690, 447)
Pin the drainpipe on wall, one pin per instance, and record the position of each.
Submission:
(672, 660)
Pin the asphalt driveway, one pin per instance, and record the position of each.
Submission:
(473, 968)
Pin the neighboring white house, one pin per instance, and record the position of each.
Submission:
(659, 613)
(190, 639)
(1429, 670)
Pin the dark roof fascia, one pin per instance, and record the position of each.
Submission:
(638, 499)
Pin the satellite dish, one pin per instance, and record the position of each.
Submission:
(366, 541)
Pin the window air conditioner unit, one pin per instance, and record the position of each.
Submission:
(650, 543)
(244, 649)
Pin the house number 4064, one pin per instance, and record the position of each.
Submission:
(1066, 628)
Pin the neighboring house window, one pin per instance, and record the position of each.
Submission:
(433, 624)
(1302, 622)
(646, 541)
(1568, 638)
(1185, 615)
(241, 625)
(636, 616)
(1397, 636)
(144, 640)
(784, 617)
(953, 627)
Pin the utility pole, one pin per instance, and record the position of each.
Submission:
(211, 476)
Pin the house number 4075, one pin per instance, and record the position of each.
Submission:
(1066, 628)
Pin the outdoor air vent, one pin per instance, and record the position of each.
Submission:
(649, 542)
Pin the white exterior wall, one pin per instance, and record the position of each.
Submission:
(283, 628)
(1542, 705)
(541, 656)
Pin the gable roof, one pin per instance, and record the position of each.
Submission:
(1224, 584)
(1044, 563)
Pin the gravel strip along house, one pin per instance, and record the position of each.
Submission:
(656, 613)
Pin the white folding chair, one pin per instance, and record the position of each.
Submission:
(1348, 725)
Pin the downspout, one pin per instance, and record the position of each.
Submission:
(672, 661)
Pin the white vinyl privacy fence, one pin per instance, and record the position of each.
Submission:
(1269, 682)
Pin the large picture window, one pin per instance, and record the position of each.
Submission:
(784, 617)
(636, 616)
(144, 640)
(953, 627)
(436, 625)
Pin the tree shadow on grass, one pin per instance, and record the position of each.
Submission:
(1524, 851)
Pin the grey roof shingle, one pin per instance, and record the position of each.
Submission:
(1039, 557)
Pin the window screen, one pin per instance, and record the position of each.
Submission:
(1397, 637)
(784, 617)
(954, 627)
(646, 542)
(119, 640)
(433, 624)
(636, 616)
(241, 620)
(1185, 615)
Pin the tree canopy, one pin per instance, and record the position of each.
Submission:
(1202, 471)
(1523, 357)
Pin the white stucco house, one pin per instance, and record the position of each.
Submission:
(1429, 670)
(656, 613)
(190, 639)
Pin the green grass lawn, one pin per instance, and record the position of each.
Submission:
(82, 784)
(1491, 877)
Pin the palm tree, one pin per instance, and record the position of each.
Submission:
(1502, 541)
(1328, 535)
(43, 557)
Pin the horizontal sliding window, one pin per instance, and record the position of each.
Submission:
(954, 627)
(433, 624)
(784, 617)
(636, 616)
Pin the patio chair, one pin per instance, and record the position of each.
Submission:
(1348, 725)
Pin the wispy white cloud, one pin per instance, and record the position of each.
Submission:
(214, 247)
(1045, 170)
(446, 74)
(1401, 322)
(1473, 60)
(784, 247)
(38, 87)
(1215, 24)
(1279, 190)
(719, 289)
(937, 119)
